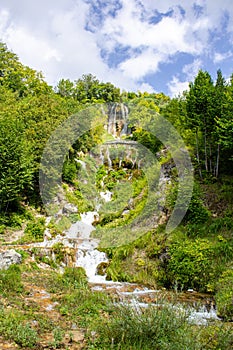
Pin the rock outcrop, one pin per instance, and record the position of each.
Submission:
(8, 258)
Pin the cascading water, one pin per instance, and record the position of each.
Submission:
(88, 256)
(108, 158)
(125, 112)
(117, 120)
(112, 120)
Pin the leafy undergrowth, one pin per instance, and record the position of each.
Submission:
(158, 328)
(198, 254)
(44, 309)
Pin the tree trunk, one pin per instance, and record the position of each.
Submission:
(197, 154)
(206, 157)
(217, 161)
(210, 160)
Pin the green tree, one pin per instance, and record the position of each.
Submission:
(200, 118)
(224, 120)
(88, 89)
(19, 78)
(16, 159)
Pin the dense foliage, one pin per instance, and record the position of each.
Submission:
(197, 255)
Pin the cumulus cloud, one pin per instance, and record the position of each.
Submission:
(219, 57)
(176, 86)
(145, 87)
(191, 70)
(74, 37)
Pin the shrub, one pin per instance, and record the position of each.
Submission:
(197, 213)
(151, 328)
(69, 171)
(10, 280)
(35, 230)
(75, 277)
(190, 263)
(59, 251)
(12, 327)
(224, 295)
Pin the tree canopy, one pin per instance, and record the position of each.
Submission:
(30, 110)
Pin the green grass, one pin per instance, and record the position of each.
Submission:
(14, 327)
(10, 281)
(157, 328)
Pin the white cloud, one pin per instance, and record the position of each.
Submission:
(139, 66)
(176, 86)
(52, 36)
(145, 87)
(219, 57)
(191, 70)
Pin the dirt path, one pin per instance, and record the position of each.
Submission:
(73, 339)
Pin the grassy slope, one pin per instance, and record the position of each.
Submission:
(198, 254)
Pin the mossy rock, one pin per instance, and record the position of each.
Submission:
(101, 268)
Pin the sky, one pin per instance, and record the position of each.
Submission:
(146, 45)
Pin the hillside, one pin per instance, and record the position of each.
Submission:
(152, 177)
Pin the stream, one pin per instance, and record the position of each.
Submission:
(132, 294)
(78, 236)
(199, 308)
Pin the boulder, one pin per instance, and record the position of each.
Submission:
(69, 209)
(8, 258)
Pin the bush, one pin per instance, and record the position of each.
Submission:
(224, 295)
(10, 280)
(190, 264)
(69, 171)
(151, 328)
(84, 306)
(75, 277)
(197, 213)
(59, 250)
(35, 230)
(13, 328)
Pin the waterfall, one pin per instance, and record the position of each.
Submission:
(117, 120)
(108, 157)
(101, 156)
(112, 120)
(125, 112)
(88, 256)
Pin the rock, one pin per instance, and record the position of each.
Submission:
(77, 336)
(8, 258)
(101, 268)
(69, 209)
(60, 197)
(74, 326)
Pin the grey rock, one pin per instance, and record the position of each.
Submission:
(69, 209)
(9, 257)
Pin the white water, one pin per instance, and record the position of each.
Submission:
(118, 115)
(88, 256)
(134, 297)
(107, 196)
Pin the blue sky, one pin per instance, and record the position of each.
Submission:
(147, 45)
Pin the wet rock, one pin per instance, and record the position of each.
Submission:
(9, 257)
(101, 268)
